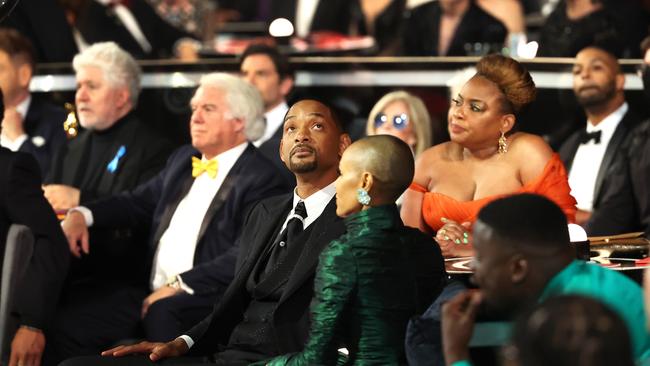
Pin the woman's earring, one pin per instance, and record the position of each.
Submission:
(503, 144)
(363, 197)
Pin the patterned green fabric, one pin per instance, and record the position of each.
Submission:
(364, 294)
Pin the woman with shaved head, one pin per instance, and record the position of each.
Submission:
(368, 281)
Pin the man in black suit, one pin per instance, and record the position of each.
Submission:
(22, 202)
(451, 28)
(116, 151)
(592, 155)
(265, 310)
(30, 124)
(270, 73)
(134, 25)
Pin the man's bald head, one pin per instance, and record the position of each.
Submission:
(388, 159)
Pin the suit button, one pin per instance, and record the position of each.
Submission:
(282, 244)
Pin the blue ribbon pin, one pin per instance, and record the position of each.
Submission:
(112, 166)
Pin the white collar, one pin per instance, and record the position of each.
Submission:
(23, 106)
(315, 203)
(228, 158)
(608, 124)
(274, 120)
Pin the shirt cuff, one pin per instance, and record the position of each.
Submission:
(184, 286)
(461, 363)
(87, 214)
(15, 144)
(187, 340)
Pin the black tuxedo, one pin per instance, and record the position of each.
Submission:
(145, 155)
(44, 126)
(423, 29)
(22, 202)
(290, 321)
(153, 204)
(612, 170)
(99, 23)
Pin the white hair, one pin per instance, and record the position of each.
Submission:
(118, 66)
(244, 101)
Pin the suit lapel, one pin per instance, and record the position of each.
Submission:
(314, 245)
(569, 149)
(610, 152)
(222, 194)
(125, 138)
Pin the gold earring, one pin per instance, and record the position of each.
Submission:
(503, 144)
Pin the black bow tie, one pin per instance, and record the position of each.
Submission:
(585, 137)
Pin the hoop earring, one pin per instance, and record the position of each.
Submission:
(363, 197)
(503, 144)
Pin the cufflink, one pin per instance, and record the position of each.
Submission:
(174, 283)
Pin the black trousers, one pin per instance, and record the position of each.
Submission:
(94, 317)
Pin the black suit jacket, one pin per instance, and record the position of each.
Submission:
(44, 126)
(271, 149)
(22, 202)
(145, 155)
(611, 174)
(44, 23)
(99, 23)
(291, 317)
(423, 29)
(252, 178)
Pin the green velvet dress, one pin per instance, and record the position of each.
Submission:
(364, 294)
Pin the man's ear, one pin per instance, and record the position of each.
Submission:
(518, 268)
(286, 85)
(24, 75)
(123, 97)
(344, 142)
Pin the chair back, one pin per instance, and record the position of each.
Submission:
(18, 252)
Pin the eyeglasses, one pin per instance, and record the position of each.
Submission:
(400, 121)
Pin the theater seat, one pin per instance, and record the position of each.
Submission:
(18, 251)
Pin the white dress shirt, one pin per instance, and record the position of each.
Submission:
(130, 23)
(589, 156)
(175, 253)
(15, 145)
(314, 205)
(274, 119)
(305, 10)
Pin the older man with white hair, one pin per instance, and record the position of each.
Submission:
(197, 206)
(116, 151)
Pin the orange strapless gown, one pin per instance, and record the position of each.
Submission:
(552, 183)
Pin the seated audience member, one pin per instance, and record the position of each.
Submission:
(116, 151)
(270, 73)
(383, 20)
(22, 202)
(511, 14)
(135, 27)
(576, 24)
(484, 160)
(569, 330)
(197, 205)
(29, 124)
(404, 116)
(265, 310)
(592, 155)
(365, 286)
(523, 256)
(451, 28)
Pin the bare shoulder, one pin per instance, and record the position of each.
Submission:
(530, 153)
(427, 163)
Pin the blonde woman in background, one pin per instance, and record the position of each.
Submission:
(404, 116)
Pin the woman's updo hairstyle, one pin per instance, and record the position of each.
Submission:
(511, 77)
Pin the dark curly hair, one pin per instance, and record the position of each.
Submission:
(511, 77)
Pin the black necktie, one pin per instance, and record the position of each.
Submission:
(585, 137)
(283, 242)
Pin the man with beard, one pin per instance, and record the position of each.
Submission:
(591, 154)
(265, 310)
(523, 257)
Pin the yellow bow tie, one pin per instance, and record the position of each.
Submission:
(199, 167)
